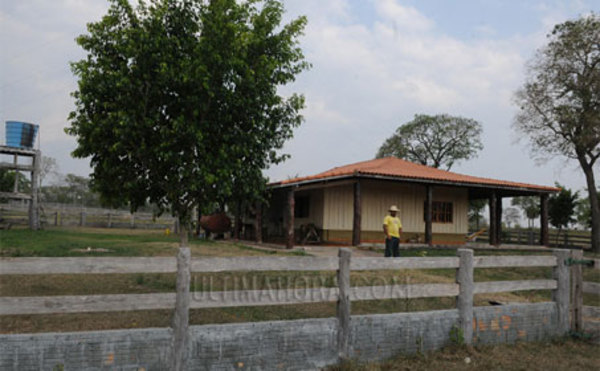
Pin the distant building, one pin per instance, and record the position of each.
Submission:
(347, 204)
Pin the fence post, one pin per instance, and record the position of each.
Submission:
(132, 221)
(577, 292)
(82, 219)
(109, 223)
(56, 219)
(343, 304)
(464, 300)
(561, 295)
(180, 341)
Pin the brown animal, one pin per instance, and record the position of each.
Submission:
(216, 223)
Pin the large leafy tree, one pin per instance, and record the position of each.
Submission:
(177, 99)
(560, 102)
(438, 141)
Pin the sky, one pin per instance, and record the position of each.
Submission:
(375, 64)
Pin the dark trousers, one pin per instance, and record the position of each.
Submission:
(391, 247)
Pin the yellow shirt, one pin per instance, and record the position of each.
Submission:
(393, 224)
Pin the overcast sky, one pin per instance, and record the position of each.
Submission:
(376, 63)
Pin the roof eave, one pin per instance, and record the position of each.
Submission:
(413, 180)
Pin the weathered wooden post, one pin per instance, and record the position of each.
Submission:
(356, 222)
(561, 295)
(464, 300)
(290, 219)
(428, 211)
(181, 338)
(109, 221)
(577, 292)
(56, 219)
(132, 221)
(343, 304)
(493, 233)
(498, 220)
(34, 207)
(82, 219)
(544, 238)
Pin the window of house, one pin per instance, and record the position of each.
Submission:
(441, 212)
(301, 207)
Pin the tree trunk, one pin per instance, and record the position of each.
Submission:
(184, 229)
(238, 221)
(594, 204)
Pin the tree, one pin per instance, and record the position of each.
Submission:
(584, 212)
(561, 208)
(7, 181)
(48, 167)
(530, 207)
(438, 141)
(512, 216)
(176, 98)
(560, 102)
(475, 209)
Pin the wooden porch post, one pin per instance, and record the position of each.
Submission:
(258, 221)
(357, 215)
(498, 220)
(493, 225)
(290, 226)
(544, 241)
(428, 211)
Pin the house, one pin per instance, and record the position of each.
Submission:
(347, 204)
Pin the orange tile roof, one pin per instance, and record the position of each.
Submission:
(395, 167)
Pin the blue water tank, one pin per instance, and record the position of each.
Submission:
(20, 134)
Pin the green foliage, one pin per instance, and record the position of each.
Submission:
(73, 189)
(561, 207)
(560, 104)
(474, 213)
(7, 181)
(584, 211)
(438, 141)
(457, 336)
(178, 102)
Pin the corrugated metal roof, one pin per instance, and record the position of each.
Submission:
(395, 167)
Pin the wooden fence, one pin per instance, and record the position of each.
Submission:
(566, 239)
(62, 215)
(183, 299)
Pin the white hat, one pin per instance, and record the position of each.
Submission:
(393, 208)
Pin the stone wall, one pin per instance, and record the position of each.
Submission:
(291, 345)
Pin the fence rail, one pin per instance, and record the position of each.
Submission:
(566, 239)
(112, 265)
(463, 289)
(68, 215)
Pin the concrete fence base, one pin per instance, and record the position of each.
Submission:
(306, 344)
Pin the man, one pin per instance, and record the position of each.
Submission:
(392, 227)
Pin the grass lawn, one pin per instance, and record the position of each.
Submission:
(58, 242)
(75, 242)
(557, 355)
